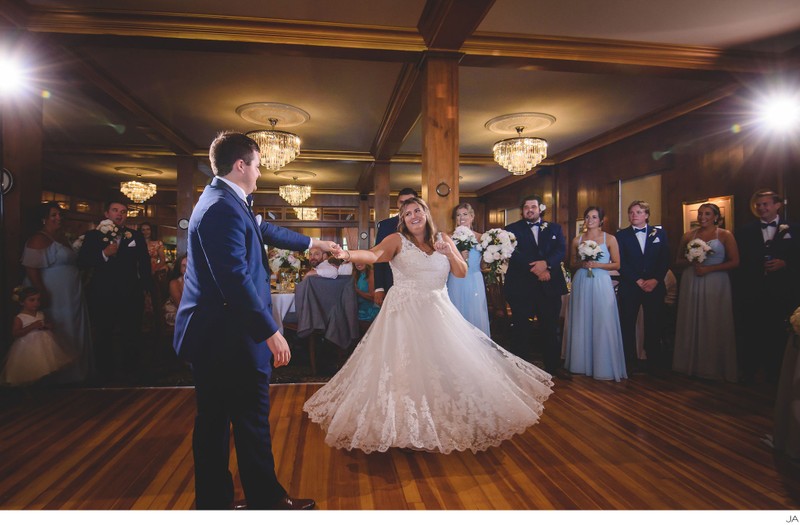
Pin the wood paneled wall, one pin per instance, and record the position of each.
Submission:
(710, 152)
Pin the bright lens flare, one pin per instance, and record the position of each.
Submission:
(781, 114)
(12, 77)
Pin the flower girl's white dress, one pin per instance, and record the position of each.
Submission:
(425, 378)
(34, 355)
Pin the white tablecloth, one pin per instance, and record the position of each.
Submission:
(282, 303)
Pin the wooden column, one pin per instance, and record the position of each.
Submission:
(440, 137)
(363, 222)
(186, 198)
(21, 123)
(382, 191)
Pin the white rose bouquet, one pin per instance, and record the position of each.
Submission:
(589, 251)
(464, 238)
(109, 230)
(497, 245)
(279, 258)
(794, 320)
(697, 250)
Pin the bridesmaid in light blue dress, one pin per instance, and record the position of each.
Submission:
(705, 340)
(468, 294)
(51, 266)
(593, 336)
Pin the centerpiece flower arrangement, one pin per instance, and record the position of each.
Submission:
(280, 259)
(465, 239)
(697, 250)
(496, 245)
(589, 251)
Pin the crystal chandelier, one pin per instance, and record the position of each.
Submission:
(294, 194)
(520, 154)
(278, 148)
(306, 214)
(138, 191)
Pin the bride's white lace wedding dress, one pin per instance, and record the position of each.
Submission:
(424, 378)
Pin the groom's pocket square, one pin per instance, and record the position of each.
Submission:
(787, 236)
(132, 244)
(553, 237)
(656, 240)
(259, 218)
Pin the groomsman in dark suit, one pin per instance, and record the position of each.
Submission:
(120, 276)
(534, 283)
(767, 286)
(383, 272)
(224, 327)
(644, 262)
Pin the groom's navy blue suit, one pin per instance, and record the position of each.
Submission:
(221, 327)
(528, 296)
(635, 265)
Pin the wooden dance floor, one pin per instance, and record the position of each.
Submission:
(646, 443)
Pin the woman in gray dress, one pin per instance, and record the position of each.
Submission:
(705, 341)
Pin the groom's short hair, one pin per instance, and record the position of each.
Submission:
(227, 148)
(534, 197)
(776, 199)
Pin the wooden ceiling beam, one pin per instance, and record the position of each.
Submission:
(446, 24)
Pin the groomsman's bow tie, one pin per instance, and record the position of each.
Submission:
(532, 224)
(637, 230)
(765, 225)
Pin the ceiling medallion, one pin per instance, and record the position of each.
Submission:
(520, 154)
(277, 147)
(136, 190)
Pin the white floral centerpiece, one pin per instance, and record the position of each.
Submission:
(465, 239)
(697, 250)
(109, 230)
(283, 259)
(589, 251)
(497, 245)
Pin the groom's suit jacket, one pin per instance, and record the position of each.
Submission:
(226, 300)
(382, 271)
(519, 281)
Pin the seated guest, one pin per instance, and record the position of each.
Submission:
(364, 282)
(325, 266)
(175, 292)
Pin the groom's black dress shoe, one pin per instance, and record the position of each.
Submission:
(289, 503)
(285, 503)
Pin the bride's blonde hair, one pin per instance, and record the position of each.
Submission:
(430, 228)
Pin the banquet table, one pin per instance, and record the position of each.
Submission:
(329, 306)
(282, 303)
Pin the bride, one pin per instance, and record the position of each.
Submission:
(423, 377)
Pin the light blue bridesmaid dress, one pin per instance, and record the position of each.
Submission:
(468, 294)
(593, 338)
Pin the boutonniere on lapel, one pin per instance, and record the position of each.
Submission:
(654, 232)
(544, 226)
(128, 235)
(259, 218)
(783, 231)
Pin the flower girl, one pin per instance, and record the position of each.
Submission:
(34, 352)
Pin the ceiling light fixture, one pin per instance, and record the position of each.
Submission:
(306, 214)
(136, 190)
(277, 148)
(520, 154)
(295, 193)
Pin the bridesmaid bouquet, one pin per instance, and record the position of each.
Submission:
(465, 239)
(280, 258)
(795, 321)
(697, 250)
(589, 251)
(497, 245)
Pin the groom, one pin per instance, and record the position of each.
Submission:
(225, 328)
(534, 283)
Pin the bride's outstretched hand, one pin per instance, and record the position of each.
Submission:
(442, 246)
(337, 251)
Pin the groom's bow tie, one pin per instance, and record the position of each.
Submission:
(765, 225)
(532, 224)
(637, 230)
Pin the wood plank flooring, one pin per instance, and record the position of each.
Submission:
(646, 443)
